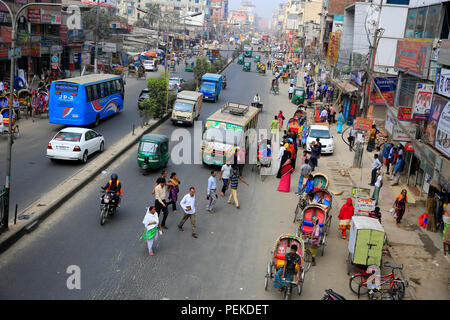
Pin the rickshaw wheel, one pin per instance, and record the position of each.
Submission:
(307, 260)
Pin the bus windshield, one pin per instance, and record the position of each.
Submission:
(183, 106)
(222, 136)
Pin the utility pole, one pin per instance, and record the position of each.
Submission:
(97, 18)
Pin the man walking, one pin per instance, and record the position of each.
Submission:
(188, 205)
(305, 171)
(160, 200)
(398, 168)
(291, 91)
(351, 138)
(376, 165)
(211, 194)
(225, 174)
(234, 181)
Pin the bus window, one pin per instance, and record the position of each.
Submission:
(106, 86)
(89, 94)
(119, 86)
(95, 94)
(102, 90)
(112, 87)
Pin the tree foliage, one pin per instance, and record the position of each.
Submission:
(155, 105)
(202, 66)
(106, 16)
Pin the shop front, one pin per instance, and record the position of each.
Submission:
(347, 99)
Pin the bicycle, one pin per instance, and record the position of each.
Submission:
(358, 284)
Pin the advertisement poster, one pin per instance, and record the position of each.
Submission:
(404, 113)
(422, 101)
(103, 3)
(338, 22)
(437, 131)
(360, 192)
(387, 88)
(364, 206)
(413, 56)
(443, 82)
(333, 48)
(363, 124)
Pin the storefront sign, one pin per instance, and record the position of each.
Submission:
(439, 124)
(56, 49)
(48, 17)
(379, 100)
(333, 48)
(443, 81)
(364, 206)
(34, 14)
(36, 49)
(363, 124)
(338, 22)
(45, 50)
(404, 113)
(109, 47)
(413, 56)
(422, 101)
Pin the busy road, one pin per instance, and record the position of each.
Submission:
(229, 258)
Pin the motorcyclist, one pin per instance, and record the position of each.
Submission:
(114, 185)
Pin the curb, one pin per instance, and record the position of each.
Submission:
(34, 222)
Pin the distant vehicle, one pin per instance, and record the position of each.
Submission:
(142, 96)
(248, 50)
(326, 139)
(85, 100)
(150, 65)
(255, 41)
(187, 107)
(176, 84)
(75, 143)
(210, 86)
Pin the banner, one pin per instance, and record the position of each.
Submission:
(438, 127)
(333, 48)
(422, 101)
(360, 192)
(363, 124)
(34, 15)
(404, 113)
(103, 3)
(413, 56)
(443, 82)
(364, 206)
(377, 100)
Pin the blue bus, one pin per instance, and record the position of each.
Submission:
(85, 100)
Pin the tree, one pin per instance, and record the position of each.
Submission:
(105, 17)
(155, 105)
(202, 66)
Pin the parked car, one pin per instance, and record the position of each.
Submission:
(150, 65)
(176, 84)
(75, 144)
(143, 95)
(326, 139)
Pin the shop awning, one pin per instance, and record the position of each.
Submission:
(345, 86)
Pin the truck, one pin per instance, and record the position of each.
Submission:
(210, 86)
(187, 107)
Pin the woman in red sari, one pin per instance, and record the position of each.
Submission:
(285, 173)
(280, 118)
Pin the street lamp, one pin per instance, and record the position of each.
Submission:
(14, 17)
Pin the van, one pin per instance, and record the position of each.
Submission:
(187, 107)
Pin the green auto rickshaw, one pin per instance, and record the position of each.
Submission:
(257, 58)
(247, 66)
(153, 152)
(241, 60)
(298, 97)
(286, 67)
(189, 66)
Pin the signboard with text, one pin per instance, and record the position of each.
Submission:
(363, 124)
(443, 81)
(438, 127)
(422, 101)
(333, 48)
(364, 206)
(413, 56)
(103, 3)
(404, 113)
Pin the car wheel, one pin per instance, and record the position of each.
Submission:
(102, 146)
(85, 157)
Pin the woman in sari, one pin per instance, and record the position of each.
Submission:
(280, 118)
(285, 173)
(400, 205)
(151, 224)
(173, 191)
(340, 122)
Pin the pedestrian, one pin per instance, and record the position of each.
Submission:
(313, 158)
(280, 118)
(291, 91)
(351, 138)
(173, 191)
(372, 137)
(345, 216)
(398, 169)
(280, 153)
(378, 185)
(233, 182)
(160, 200)
(400, 205)
(163, 176)
(376, 165)
(304, 135)
(305, 157)
(188, 205)
(324, 115)
(380, 154)
(151, 224)
(211, 194)
(319, 146)
(340, 122)
(225, 173)
(285, 172)
(308, 186)
(386, 151)
(305, 171)
(274, 128)
(376, 214)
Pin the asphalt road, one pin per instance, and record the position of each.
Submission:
(227, 261)
(33, 174)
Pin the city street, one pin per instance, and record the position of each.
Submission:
(227, 261)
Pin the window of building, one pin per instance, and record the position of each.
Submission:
(424, 22)
(403, 2)
(420, 22)
(432, 22)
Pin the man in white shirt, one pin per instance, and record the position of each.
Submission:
(375, 166)
(378, 185)
(256, 100)
(225, 174)
(280, 153)
(291, 91)
(324, 115)
(160, 200)
(188, 205)
(211, 194)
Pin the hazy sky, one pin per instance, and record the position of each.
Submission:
(263, 7)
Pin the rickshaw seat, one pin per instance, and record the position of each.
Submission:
(308, 226)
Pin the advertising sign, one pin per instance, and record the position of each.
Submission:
(34, 15)
(413, 56)
(397, 133)
(364, 206)
(404, 113)
(355, 76)
(363, 124)
(338, 22)
(443, 82)
(438, 128)
(109, 47)
(360, 192)
(103, 3)
(422, 101)
(333, 48)
(379, 100)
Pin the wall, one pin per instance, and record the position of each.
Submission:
(311, 12)
(338, 6)
(346, 42)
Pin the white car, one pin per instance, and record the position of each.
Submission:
(75, 144)
(150, 65)
(326, 139)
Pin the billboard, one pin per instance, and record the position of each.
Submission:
(338, 22)
(443, 81)
(103, 3)
(438, 127)
(422, 101)
(413, 56)
(333, 48)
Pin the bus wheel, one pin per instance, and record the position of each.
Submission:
(97, 120)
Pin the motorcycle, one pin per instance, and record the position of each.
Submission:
(108, 205)
(331, 295)
(224, 84)
(257, 105)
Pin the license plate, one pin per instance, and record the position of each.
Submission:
(179, 121)
(62, 147)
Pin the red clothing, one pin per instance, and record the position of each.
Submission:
(346, 210)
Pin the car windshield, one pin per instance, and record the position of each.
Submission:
(182, 106)
(208, 87)
(67, 136)
(148, 147)
(317, 133)
(222, 136)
